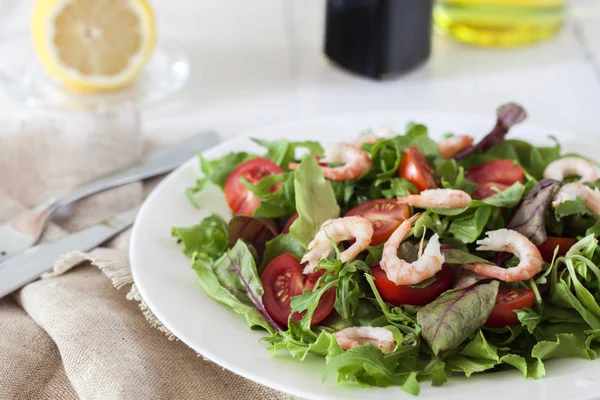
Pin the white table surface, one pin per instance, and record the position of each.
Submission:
(256, 63)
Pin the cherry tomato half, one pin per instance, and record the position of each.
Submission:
(384, 214)
(414, 168)
(563, 244)
(499, 171)
(282, 280)
(238, 197)
(507, 301)
(491, 175)
(399, 295)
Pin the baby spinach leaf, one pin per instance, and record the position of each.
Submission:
(530, 217)
(279, 245)
(506, 198)
(315, 201)
(208, 238)
(468, 226)
(450, 319)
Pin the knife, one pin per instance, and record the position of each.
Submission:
(29, 265)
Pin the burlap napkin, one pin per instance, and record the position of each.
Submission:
(85, 333)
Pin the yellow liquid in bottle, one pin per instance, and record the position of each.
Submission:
(499, 23)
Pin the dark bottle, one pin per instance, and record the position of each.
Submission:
(378, 38)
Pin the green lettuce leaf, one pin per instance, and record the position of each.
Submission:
(315, 201)
(233, 281)
(208, 238)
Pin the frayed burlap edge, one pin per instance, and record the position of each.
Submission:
(114, 264)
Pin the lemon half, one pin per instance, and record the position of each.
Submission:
(94, 45)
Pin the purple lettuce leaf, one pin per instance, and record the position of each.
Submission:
(466, 279)
(451, 318)
(234, 281)
(508, 115)
(529, 219)
(255, 231)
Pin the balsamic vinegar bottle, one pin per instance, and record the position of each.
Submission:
(378, 38)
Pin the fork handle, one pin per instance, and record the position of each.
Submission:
(160, 163)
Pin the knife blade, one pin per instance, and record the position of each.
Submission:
(29, 265)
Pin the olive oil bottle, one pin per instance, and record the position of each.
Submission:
(499, 23)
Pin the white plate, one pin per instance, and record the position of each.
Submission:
(169, 286)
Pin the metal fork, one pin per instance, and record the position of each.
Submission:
(26, 229)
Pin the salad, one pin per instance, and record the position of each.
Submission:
(401, 260)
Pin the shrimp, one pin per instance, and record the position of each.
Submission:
(513, 242)
(571, 191)
(358, 335)
(452, 146)
(356, 161)
(442, 198)
(569, 166)
(404, 273)
(380, 133)
(337, 230)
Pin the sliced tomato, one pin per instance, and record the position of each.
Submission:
(415, 169)
(282, 280)
(399, 295)
(384, 214)
(238, 197)
(487, 189)
(551, 243)
(289, 222)
(507, 301)
(499, 171)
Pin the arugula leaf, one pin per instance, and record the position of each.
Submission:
(282, 151)
(315, 201)
(233, 281)
(529, 219)
(277, 203)
(450, 319)
(208, 238)
(573, 207)
(398, 188)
